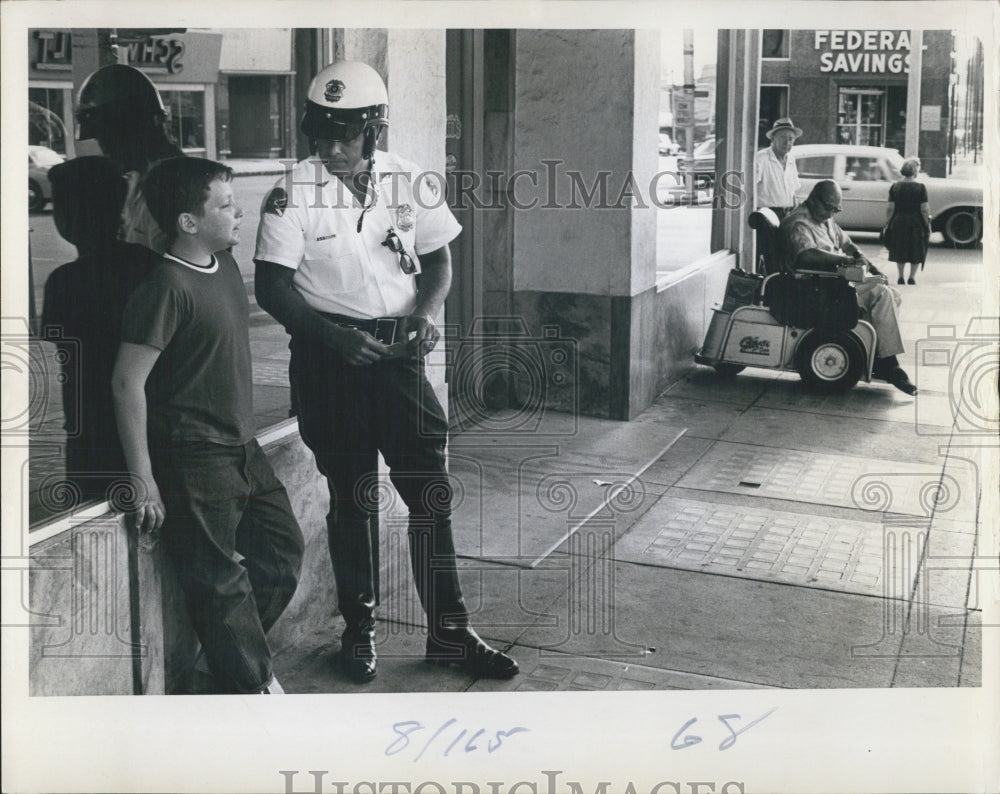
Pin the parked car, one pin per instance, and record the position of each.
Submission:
(702, 165)
(40, 160)
(865, 173)
(667, 146)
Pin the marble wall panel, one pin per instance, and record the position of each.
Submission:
(314, 604)
(582, 325)
(81, 638)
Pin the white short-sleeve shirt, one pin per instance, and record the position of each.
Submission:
(309, 222)
(775, 183)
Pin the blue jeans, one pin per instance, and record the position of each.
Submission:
(237, 549)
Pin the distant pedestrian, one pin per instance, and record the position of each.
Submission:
(776, 180)
(908, 221)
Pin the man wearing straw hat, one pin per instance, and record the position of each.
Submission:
(775, 180)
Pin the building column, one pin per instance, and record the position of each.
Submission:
(737, 100)
(585, 252)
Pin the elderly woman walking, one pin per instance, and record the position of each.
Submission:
(908, 222)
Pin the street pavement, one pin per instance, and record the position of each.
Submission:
(740, 533)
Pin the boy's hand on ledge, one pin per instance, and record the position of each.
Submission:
(149, 511)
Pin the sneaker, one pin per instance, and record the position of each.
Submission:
(202, 681)
(273, 688)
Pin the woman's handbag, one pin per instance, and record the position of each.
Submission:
(883, 235)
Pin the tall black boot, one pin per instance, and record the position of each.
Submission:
(450, 638)
(351, 554)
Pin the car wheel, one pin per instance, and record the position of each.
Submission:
(963, 228)
(36, 198)
(728, 370)
(830, 362)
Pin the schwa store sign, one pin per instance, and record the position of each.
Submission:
(184, 57)
(863, 51)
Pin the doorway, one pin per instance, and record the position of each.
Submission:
(464, 160)
(255, 104)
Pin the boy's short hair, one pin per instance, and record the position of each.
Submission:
(88, 194)
(180, 184)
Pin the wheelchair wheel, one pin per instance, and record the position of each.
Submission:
(728, 370)
(830, 362)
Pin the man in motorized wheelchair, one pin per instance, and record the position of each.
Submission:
(812, 240)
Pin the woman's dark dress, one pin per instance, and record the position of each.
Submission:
(907, 236)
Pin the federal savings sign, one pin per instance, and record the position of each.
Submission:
(881, 51)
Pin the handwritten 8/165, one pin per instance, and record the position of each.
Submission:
(448, 737)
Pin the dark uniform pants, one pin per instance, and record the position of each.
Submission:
(347, 415)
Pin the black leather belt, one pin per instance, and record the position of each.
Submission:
(382, 328)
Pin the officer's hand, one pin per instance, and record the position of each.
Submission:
(425, 334)
(356, 347)
(149, 511)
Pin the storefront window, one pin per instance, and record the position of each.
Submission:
(774, 44)
(187, 117)
(773, 106)
(861, 116)
(45, 113)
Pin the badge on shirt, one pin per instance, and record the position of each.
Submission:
(404, 217)
(276, 202)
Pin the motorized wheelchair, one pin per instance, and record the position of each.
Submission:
(795, 321)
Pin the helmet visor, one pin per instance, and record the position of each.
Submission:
(341, 131)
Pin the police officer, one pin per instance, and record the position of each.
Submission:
(341, 241)
(120, 107)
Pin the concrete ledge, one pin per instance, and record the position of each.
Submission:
(107, 615)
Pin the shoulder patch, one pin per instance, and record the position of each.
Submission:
(276, 202)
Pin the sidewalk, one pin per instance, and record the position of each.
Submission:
(258, 167)
(964, 168)
(732, 536)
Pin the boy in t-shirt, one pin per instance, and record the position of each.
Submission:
(184, 373)
(84, 302)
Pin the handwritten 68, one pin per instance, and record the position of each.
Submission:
(684, 739)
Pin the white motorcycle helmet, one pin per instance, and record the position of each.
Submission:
(345, 99)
